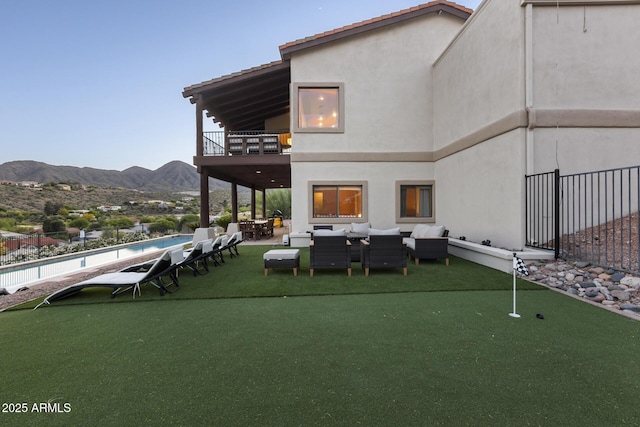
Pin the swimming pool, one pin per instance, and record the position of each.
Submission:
(15, 276)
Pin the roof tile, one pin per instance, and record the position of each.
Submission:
(374, 20)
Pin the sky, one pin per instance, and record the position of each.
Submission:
(99, 83)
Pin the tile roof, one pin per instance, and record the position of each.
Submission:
(369, 24)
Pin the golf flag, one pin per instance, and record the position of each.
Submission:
(520, 266)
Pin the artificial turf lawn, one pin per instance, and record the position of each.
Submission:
(408, 358)
(243, 276)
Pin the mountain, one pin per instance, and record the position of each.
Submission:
(173, 176)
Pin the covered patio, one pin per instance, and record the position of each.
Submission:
(252, 106)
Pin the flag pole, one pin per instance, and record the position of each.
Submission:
(514, 313)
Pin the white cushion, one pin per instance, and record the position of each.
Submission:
(411, 243)
(424, 231)
(281, 254)
(358, 227)
(387, 232)
(322, 232)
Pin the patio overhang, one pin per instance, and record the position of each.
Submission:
(257, 172)
(246, 99)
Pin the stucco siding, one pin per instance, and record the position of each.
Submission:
(585, 149)
(386, 77)
(586, 57)
(380, 178)
(481, 191)
(480, 77)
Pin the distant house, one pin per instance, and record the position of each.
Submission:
(30, 184)
(29, 244)
(109, 208)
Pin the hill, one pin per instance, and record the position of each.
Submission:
(172, 177)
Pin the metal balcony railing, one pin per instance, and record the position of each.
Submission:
(246, 143)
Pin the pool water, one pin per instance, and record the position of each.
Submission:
(15, 276)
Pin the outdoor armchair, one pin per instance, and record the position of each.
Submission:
(383, 251)
(329, 252)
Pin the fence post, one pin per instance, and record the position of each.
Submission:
(556, 213)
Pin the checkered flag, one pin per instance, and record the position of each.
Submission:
(520, 266)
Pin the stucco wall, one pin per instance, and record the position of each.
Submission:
(480, 191)
(586, 95)
(381, 180)
(480, 77)
(586, 57)
(386, 76)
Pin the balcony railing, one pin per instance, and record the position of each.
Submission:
(246, 143)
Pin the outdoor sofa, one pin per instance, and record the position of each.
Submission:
(428, 242)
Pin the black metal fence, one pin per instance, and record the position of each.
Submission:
(591, 216)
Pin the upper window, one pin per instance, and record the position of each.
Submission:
(318, 107)
(416, 201)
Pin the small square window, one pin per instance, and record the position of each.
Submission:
(415, 201)
(318, 107)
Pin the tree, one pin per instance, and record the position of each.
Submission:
(279, 199)
(53, 225)
(120, 222)
(52, 208)
(163, 225)
(80, 222)
(190, 221)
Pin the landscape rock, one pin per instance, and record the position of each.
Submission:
(614, 289)
(616, 277)
(621, 295)
(630, 281)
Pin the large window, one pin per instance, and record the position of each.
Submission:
(415, 201)
(338, 201)
(318, 107)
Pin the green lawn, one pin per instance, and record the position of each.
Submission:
(434, 348)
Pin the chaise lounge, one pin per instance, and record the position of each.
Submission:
(129, 278)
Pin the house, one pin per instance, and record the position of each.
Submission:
(432, 114)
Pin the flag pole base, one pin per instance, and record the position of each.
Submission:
(516, 315)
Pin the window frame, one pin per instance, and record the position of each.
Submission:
(411, 219)
(295, 123)
(339, 220)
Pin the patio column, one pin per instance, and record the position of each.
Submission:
(234, 202)
(264, 203)
(253, 202)
(204, 199)
(204, 177)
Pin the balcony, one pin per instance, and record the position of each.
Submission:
(246, 143)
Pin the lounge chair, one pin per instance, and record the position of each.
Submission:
(195, 259)
(329, 252)
(383, 251)
(232, 244)
(129, 278)
(217, 249)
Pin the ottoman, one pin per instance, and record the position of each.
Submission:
(282, 258)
